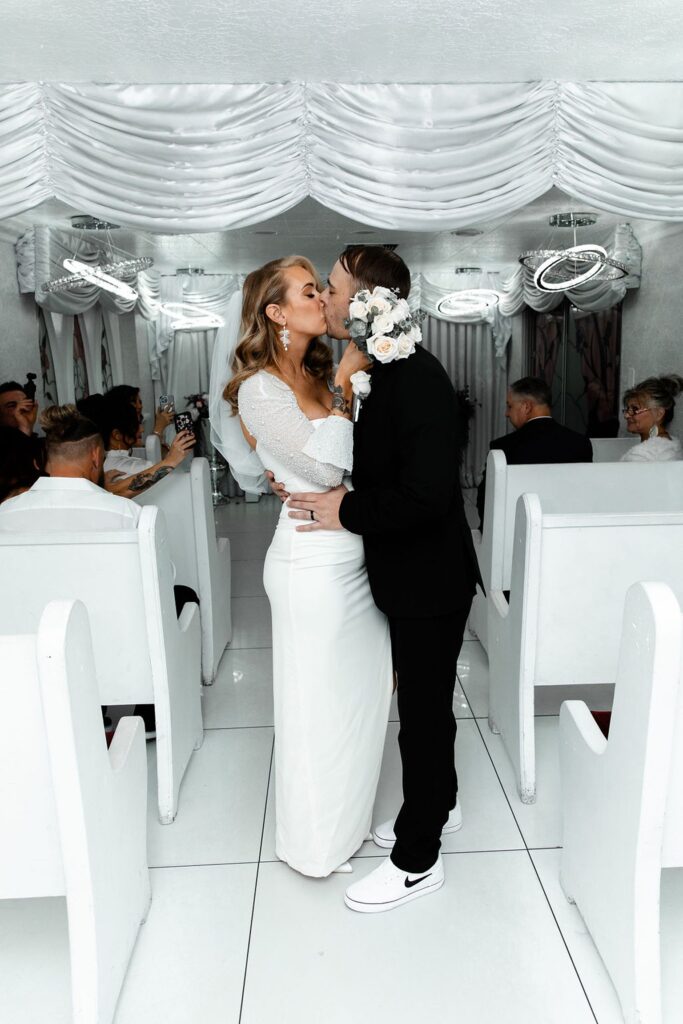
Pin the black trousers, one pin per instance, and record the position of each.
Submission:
(183, 595)
(425, 653)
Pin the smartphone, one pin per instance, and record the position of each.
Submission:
(182, 421)
(166, 403)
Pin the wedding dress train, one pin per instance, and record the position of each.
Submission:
(332, 673)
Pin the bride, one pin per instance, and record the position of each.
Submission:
(332, 674)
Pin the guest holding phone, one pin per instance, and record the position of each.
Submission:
(120, 428)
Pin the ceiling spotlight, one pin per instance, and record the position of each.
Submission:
(391, 246)
(190, 271)
(467, 232)
(84, 222)
(572, 220)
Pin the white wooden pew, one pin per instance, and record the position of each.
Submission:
(622, 802)
(570, 574)
(151, 450)
(564, 487)
(73, 816)
(201, 559)
(612, 449)
(144, 654)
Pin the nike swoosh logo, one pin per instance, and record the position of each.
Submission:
(410, 883)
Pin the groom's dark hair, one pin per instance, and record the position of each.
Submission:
(372, 266)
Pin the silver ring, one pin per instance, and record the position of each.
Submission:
(312, 516)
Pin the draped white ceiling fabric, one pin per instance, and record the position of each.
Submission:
(183, 158)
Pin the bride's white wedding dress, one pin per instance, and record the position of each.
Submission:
(332, 672)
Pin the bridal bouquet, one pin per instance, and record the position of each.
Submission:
(383, 325)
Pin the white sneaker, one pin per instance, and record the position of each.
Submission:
(384, 835)
(387, 887)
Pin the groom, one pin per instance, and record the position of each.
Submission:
(408, 507)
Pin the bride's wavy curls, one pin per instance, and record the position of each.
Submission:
(259, 346)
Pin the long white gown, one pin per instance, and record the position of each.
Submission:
(332, 673)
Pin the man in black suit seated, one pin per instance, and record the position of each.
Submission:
(537, 437)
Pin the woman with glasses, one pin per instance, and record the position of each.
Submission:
(648, 410)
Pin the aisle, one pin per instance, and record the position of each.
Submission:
(235, 937)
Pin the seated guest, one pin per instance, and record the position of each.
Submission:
(120, 428)
(537, 437)
(126, 394)
(73, 490)
(649, 409)
(16, 408)
(21, 461)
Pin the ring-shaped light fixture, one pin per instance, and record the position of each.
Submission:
(186, 317)
(95, 275)
(592, 254)
(468, 302)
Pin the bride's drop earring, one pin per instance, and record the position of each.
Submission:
(654, 431)
(284, 338)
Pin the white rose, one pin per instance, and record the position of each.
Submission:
(385, 350)
(401, 311)
(361, 383)
(358, 311)
(377, 304)
(415, 334)
(385, 293)
(406, 346)
(383, 324)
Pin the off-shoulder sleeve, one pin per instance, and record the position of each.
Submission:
(271, 414)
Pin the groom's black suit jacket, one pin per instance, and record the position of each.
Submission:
(407, 503)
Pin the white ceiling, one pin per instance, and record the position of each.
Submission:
(341, 40)
(320, 234)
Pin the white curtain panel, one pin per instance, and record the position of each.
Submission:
(188, 364)
(467, 351)
(40, 255)
(210, 157)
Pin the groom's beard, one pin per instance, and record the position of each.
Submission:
(338, 333)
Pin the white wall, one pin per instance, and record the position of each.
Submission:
(18, 323)
(652, 326)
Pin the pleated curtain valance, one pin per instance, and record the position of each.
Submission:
(414, 157)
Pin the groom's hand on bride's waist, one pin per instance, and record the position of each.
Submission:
(317, 511)
(276, 488)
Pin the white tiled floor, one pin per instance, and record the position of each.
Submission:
(235, 936)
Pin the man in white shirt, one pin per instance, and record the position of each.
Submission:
(72, 497)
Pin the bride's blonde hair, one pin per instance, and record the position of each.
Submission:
(259, 346)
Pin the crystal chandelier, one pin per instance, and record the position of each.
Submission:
(103, 275)
(556, 270)
(107, 271)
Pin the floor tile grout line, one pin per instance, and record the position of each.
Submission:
(210, 864)
(258, 869)
(531, 859)
(564, 941)
(500, 782)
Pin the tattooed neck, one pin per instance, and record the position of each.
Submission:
(144, 480)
